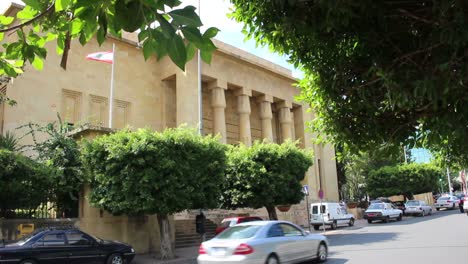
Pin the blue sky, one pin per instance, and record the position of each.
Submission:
(214, 14)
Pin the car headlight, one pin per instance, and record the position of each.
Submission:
(132, 250)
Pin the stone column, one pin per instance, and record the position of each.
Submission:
(266, 116)
(218, 103)
(243, 109)
(285, 120)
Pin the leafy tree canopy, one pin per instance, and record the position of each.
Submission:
(162, 173)
(147, 172)
(407, 180)
(377, 71)
(265, 175)
(23, 182)
(164, 29)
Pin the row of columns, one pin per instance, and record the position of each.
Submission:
(218, 103)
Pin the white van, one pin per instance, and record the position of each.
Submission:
(333, 215)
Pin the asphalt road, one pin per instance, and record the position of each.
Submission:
(440, 238)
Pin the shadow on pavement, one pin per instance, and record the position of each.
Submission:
(409, 220)
(363, 238)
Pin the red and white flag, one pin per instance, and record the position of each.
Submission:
(103, 56)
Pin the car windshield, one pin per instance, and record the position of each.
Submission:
(225, 223)
(412, 203)
(240, 232)
(376, 206)
(444, 198)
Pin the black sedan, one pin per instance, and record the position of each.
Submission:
(58, 246)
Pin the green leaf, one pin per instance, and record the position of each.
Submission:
(5, 21)
(1, 36)
(186, 16)
(167, 29)
(27, 13)
(61, 5)
(211, 32)
(148, 49)
(101, 36)
(36, 4)
(191, 50)
(76, 26)
(206, 56)
(176, 50)
(193, 35)
(37, 63)
(60, 44)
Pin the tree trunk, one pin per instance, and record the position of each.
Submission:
(272, 213)
(167, 250)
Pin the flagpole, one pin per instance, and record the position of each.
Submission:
(111, 97)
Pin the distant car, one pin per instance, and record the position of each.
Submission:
(400, 205)
(53, 246)
(382, 211)
(416, 207)
(263, 242)
(331, 214)
(448, 202)
(232, 221)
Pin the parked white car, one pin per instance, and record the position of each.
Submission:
(332, 214)
(417, 207)
(448, 202)
(382, 211)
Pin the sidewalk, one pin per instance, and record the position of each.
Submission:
(183, 256)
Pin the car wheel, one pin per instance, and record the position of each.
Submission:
(351, 222)
(28, 261)
(437, 209)
(423, 213)
(430, 211)
(399, 218)
(386, 219)
(369, 221)
(333, 225)
(272, 259)
(322, 253)
(115, 259)
(316, 227)
(453, 206)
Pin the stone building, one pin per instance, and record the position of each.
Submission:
(245, 98)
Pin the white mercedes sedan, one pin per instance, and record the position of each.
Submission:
(261, 242)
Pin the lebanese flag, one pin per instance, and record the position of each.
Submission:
(103, 56)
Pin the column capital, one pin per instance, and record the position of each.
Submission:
(243, 104)
(217, 84)
(284, 104)
(285, 115)
(243, 91)
(218, 99)
(265, 98)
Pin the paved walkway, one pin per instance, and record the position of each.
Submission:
(184, 256)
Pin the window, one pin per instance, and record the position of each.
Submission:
(78, 239)
(71, 106)
(275, 231)
(121, 114)
(239, 232)
(315, 209)
(289, 230)
(57, 239)
(98, 110)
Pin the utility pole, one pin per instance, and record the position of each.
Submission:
(449, 183)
